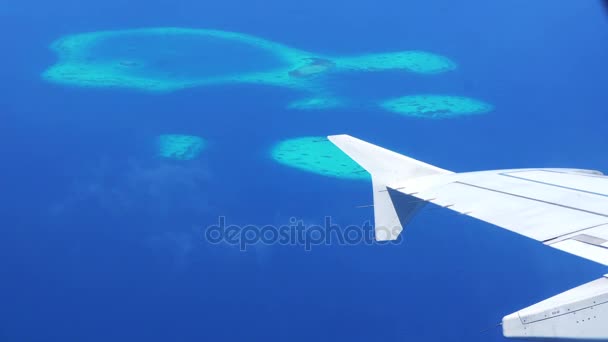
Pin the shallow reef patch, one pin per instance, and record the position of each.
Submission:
(314, 66)
(180, 147)
(436, 106)
(421, 62)
(317, 155)
(317, 102)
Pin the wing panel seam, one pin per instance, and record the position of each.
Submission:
(555, 185)
(532, 199)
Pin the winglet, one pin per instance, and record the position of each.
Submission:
(386, 167)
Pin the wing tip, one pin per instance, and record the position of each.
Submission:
(335, 137)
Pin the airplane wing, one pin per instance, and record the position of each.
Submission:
(563, 208)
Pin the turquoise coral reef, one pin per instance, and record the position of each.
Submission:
(436, 106)
(317, 155)
(179, 147)
(315, 67)
(169, 59)
(318, 102)
(413, 61)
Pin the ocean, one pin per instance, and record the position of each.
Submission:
(103, 239)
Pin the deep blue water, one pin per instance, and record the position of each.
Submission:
(100, 240)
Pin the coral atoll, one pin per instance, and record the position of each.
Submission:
(436, 106)
(317, 155)
(180, 147)
(168, 59)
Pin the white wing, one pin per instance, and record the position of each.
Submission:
(563, 208)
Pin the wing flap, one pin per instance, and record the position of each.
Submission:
(585, 250)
